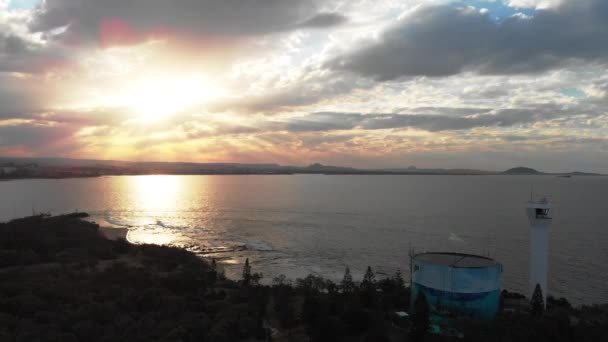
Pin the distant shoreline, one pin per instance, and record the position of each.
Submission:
(62, 168)
(562, 175)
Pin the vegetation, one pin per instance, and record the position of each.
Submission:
(60, 280)
(421, 319)
(537, 303)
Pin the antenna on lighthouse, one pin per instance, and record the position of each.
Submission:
(540, 221)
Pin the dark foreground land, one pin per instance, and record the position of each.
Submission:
(61, 280)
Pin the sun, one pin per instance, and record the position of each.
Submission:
(153, 98)
(150, 97)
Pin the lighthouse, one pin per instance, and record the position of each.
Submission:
(540, 221)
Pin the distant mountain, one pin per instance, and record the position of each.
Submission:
(135, 165)
(418, 171)
(327, 168)
(521, 170)
(578, 173)
(66, 167)
(63, 162)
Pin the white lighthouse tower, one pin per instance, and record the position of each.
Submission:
(538, 215)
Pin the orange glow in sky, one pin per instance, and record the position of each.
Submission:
(363, 84)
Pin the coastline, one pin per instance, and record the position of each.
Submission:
(109, 230)
(73, 270)
(114, 233)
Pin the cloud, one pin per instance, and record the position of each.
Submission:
(120, 22)
(23, 52)
(296, 81)
(322, 20)
(38, 139)
(446, 40)
(311, 87)
(19, 96)
(541, 4)
(328, 121)
(20, 55)
(364, 140)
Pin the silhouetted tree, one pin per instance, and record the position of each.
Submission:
(312, 283)
(558, 302)
(369, 280)
(368, 289)
(420, 318)
(347, 284)
(377, 331)
(326, 329)
(283, 305)
(280, 280)
(331, 287)
(247, 273)
(537, 303)
(255, 279)
(398, 278)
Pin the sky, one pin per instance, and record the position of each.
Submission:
(485, 84)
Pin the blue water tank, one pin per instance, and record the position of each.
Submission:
(460, 285)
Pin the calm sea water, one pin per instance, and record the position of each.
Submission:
(296, 225)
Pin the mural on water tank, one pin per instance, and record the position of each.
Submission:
(458, 291)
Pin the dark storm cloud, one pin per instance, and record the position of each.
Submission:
(132, 20)
(446, 40)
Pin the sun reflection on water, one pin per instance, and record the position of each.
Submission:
(157, 197)
(157, 193)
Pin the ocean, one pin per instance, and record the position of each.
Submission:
(301, 224)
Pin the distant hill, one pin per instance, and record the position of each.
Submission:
(327, 168)
(521, 170)
(66, 167)
(578, 173)
(421, 171)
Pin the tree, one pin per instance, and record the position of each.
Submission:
(347, 285)
(369, 280)
(377, 331)
(255, 279)
(247, 273)
(398, 278)
(368, 287)
(331, 287)
(283, 305)
(420, 318)
(312, 283)
(537, 303)
(280, 280)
